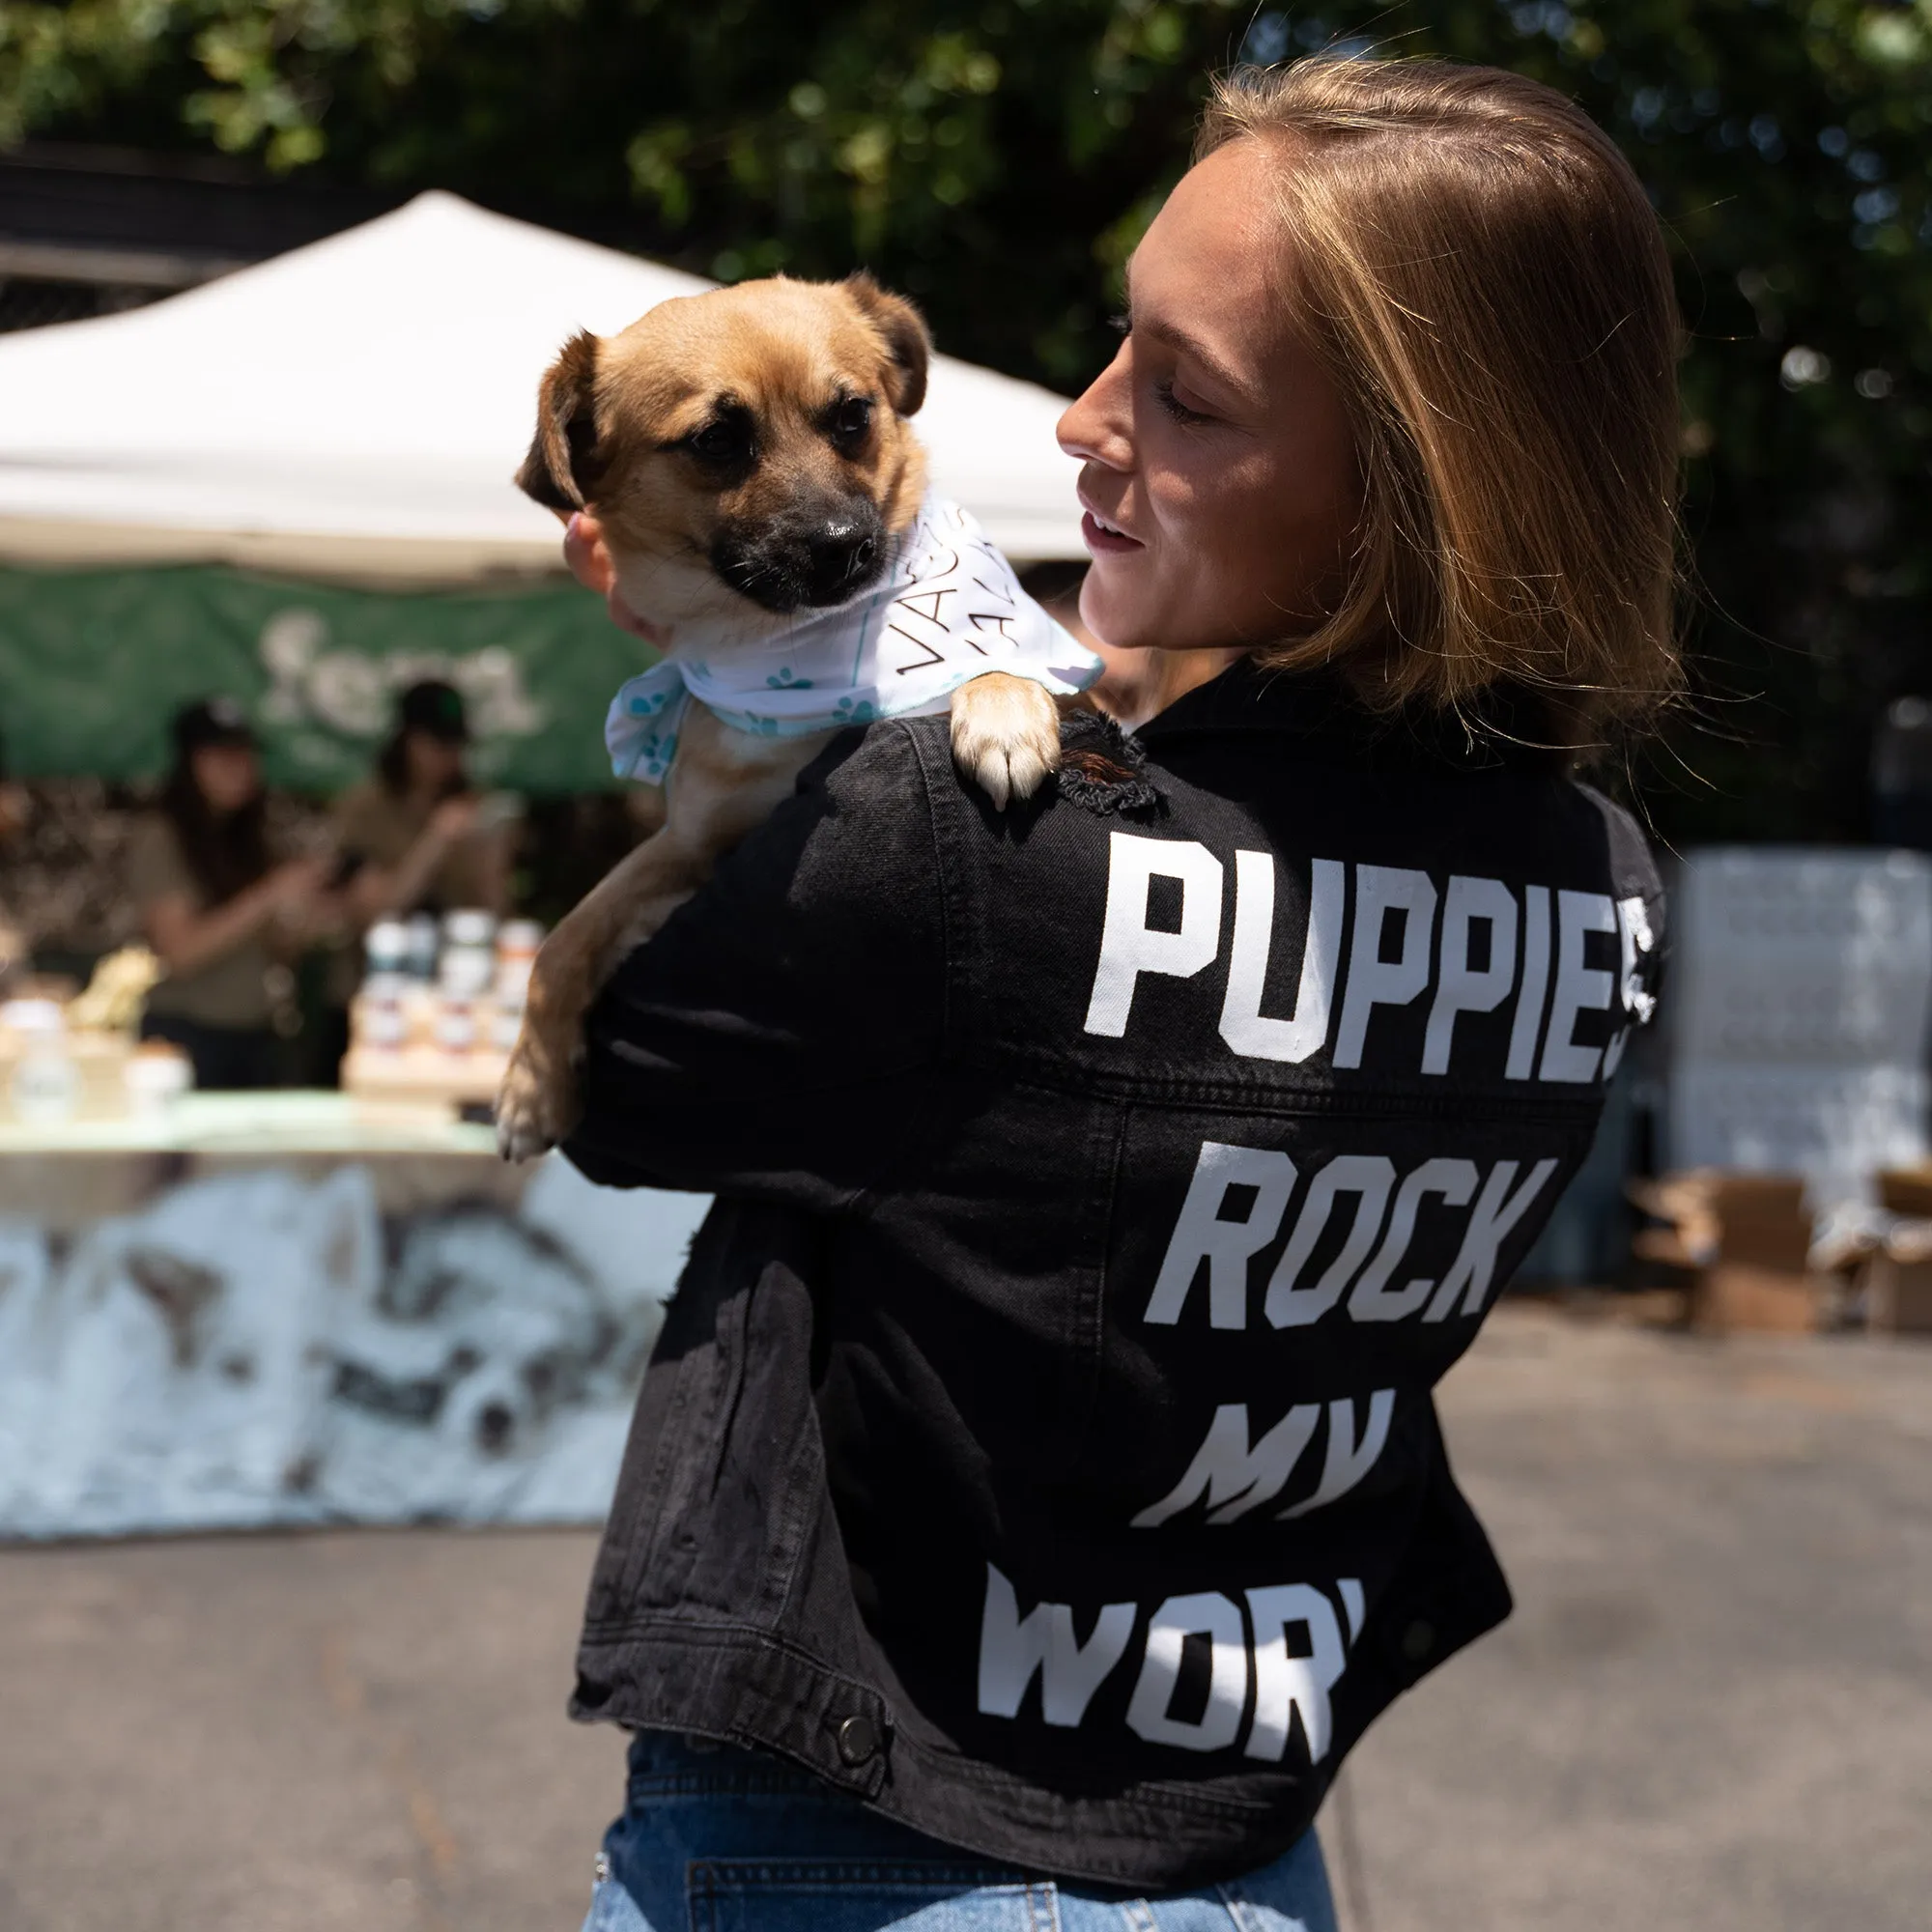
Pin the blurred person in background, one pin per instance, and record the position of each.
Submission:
(221, 914)
(14, 811)
(412, 838)
(411, 835)
(15, 804)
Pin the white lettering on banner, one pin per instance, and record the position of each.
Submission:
(1455, 1181)
(1523, 1028)
(1579, 987)
(1368, 1176)
(1496, 1213)
(1245, 1653)
(1013, 1650)
(1205, 1613)
(1285, 1685)
(1347, 1459)
(1202, 1235)
(1634, 941)
(1128, 946)
(353, 692)
(1243, 1025)
(1460, 988)
(1235, 1478)
(1373, 980)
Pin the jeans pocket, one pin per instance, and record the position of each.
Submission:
(1290, 1895)
(861, 1895)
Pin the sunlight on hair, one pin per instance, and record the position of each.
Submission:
(1485, 275)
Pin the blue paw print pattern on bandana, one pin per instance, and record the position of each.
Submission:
(947, 609)
(640, 728)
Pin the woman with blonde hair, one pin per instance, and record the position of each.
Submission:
(1037, 1487)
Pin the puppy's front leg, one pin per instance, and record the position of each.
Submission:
(722, 783)
(1005, 735)
(538, 1103)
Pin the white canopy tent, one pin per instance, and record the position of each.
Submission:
(356, 408)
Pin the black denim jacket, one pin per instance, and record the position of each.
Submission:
(1040, 1445)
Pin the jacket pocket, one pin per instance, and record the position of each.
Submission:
(739, 1478)
(724, 1474)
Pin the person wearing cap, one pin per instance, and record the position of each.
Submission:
(219, 910)
(410, 833)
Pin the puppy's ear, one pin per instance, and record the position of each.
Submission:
(904, 332)
(559, 471)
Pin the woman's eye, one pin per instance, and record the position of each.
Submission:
(850, 422)
(1176, 408)
(1121, 324)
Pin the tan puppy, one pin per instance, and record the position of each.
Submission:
(748, 455)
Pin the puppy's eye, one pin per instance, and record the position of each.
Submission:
(849, 422)
(726, 440)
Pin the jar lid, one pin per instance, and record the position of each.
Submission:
(469, 925)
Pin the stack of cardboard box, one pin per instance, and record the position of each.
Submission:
(1745, 1240)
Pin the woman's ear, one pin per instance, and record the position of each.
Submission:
(903, 330)
(559, 470)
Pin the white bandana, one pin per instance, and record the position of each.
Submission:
(947, 610)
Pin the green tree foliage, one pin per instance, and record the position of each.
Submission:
(997, 158)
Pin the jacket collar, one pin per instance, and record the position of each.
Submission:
(1329, 725)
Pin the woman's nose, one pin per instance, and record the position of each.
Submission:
(1098, 428)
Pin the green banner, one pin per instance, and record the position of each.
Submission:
(94, 663)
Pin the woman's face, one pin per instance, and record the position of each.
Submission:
(227, 777)
(1218, 468)
(436, 764)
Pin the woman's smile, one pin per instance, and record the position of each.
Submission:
(1103, 536)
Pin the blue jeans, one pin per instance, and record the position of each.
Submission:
(727, 1840)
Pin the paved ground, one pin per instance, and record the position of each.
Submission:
(1712, 1711)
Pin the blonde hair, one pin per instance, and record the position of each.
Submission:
(1487, 281)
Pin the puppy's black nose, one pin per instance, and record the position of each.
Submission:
(839, 560)
(814, 555)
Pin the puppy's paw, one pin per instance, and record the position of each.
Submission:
(537, 1105)
(1005, 735)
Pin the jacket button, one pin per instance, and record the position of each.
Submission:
(858, 1740)
(1418, 1640)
